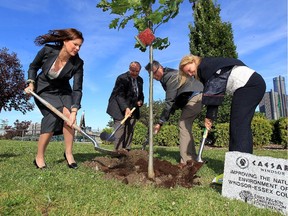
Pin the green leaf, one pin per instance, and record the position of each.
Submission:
(114, 23)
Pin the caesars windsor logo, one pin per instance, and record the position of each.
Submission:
(242, 162)
(266, 166)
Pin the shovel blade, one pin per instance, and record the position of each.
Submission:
(107, 137)
(198, 165)
(194, 166)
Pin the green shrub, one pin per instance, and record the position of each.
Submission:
(221, 133)
(197, 134)
(108, 130)
(168, 136)
(283, 131)
(261, 130)
(280, 131)
(275, 138)
(140, 134)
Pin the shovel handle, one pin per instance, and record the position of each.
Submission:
(63, 117)
(127, 116)
(205, 134)
(54, 110)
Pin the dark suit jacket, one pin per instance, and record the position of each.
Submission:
(123, 96)
(215, 82)
(170, 84)
(73, 68)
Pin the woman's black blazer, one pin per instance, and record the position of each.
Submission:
(73, 68)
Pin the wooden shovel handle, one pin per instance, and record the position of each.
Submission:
(127, 116)
(54, 110)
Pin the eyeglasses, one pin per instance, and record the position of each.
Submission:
(156, 70)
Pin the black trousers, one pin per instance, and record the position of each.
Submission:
(244, 102)
(124, 135)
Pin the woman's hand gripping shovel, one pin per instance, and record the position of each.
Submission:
(110, 137)
(76, 127)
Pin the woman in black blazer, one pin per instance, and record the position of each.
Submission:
(57, 63)
(220, 75)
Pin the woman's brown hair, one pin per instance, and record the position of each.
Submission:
(58, 36)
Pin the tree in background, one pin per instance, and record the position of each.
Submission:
(210, 36)
(12, 84)
(19, 129)
(157, 109)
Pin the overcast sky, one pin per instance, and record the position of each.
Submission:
(259, 28)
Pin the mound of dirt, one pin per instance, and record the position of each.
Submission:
(132, 168)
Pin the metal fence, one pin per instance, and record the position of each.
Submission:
(33, 135)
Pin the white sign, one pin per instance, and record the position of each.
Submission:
(258, 180)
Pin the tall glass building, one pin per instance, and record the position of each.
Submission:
(274, 103)
(279, 86)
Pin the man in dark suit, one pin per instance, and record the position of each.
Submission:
(127, 93)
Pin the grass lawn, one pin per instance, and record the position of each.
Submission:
(58, 190)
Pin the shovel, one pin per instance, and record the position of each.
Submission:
(76, 127)
(105, 136)
(199, 162)
(199, 158)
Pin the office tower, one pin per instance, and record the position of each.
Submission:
(280, 88)
(268, 105)
(274, 103)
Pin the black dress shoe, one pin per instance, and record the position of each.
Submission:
(72, 165)
(35, 163)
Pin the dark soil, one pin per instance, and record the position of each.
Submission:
(132, 168)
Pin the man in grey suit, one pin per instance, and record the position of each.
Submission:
(127, 93)
(188, 98)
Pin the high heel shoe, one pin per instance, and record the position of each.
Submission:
(72, 165)
(35, 163)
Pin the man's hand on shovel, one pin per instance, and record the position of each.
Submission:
(128, 112)
(108, 137)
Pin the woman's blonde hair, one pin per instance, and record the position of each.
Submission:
(182, 77)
